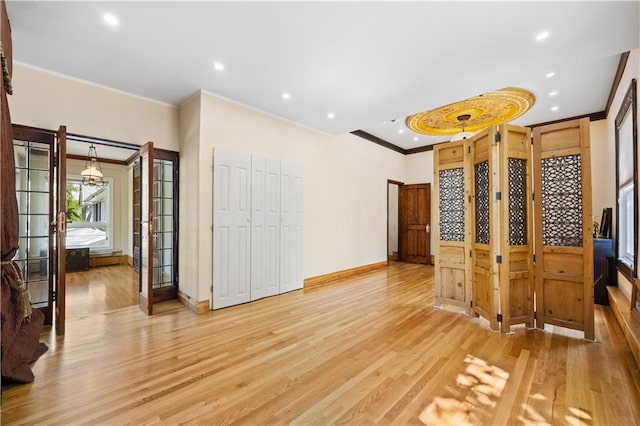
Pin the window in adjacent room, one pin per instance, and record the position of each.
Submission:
(88, 215)
(627, 182)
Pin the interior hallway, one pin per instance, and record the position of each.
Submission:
(364, 350)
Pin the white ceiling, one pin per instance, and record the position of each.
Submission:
(366, 62)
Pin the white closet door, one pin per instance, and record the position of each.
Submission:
(231, 228)
(291, 238)
(265, 227)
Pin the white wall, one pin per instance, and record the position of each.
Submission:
(47, 100)
(603, 169)
(189, 233)
(419, 168)
(345, 185)
(632, 70)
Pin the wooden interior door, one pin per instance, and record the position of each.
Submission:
(61, 229)
(416, 223)
(564, 244)
(146, 229)
(451, 226)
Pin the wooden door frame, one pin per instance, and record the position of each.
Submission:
(400, 185)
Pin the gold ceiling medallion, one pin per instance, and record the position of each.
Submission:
(473, 114)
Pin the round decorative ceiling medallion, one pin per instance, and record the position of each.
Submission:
(473, 114)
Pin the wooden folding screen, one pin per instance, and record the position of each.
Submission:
(485, 253)
(502, 226)
(564, 245)
(484, 227)
(516, 232)
(452, 229)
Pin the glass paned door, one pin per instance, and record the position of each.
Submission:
(163, 224)
(35, 211)
(158, 226)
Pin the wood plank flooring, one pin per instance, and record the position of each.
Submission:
(364, 350)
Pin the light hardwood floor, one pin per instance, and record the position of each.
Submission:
(365, 350)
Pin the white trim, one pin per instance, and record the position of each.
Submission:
(90, 83)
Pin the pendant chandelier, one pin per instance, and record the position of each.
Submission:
(92, 173)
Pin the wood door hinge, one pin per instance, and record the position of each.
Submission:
(498, 259)
(498, 196)
(531, 139)
(471, 303)
(470, 253)
(535, 315)
(498, 137)
(534, 258)
(468, 150)
(53, 296)
(499, 317)
(533, 196)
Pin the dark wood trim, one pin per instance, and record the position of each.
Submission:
(622, 64)
(101, 160)
(424, 148)
(594, 116)
(132, 158)
(379, 141)
(32, 134)
(101, 141)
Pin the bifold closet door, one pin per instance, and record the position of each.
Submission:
(265, 227)
(452, 228)
(564, 245)
(291, 232)
(232, 228)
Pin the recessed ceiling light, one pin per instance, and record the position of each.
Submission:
(555, 92)
(555, 108)
(331, 115)
(401, 131)
(550, 74)
(415, 139)
(542, 35)
(286, 96)
(110, 19)
(218, 66)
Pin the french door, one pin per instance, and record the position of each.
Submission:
(40, 190)
(158, 236)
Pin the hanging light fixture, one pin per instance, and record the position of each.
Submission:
(92, 173)
(463, 119)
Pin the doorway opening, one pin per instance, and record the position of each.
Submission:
(69, 228)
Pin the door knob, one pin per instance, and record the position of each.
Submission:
(427, 228)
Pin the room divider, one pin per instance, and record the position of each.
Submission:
(512, 226)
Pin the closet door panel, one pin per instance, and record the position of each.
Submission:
(291, 232)
(231, 228)
(265, 226)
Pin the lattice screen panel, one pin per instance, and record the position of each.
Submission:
(562, 201)
(451, 204)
